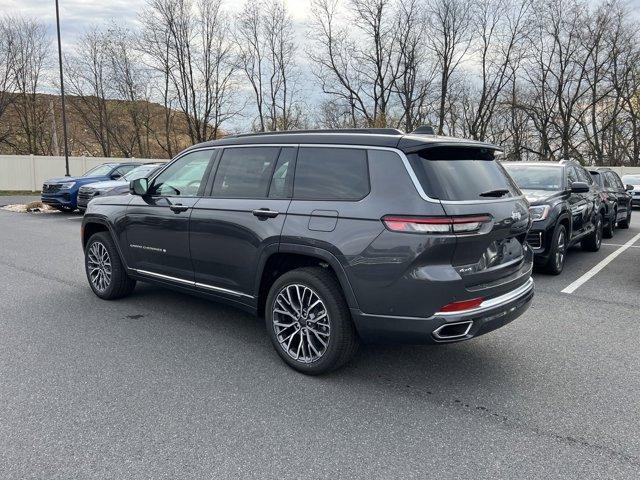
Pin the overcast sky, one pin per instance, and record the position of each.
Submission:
(76, 15)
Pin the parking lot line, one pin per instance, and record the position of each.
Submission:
(585, 278)
(619, 245)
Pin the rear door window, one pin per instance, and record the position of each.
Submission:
(462, 174)
(245, 172)
(328, 173)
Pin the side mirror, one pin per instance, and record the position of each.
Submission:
(139, 186)
(116, 176)
(628, 188)
(579, 187)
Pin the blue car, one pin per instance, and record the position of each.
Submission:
(62, 192)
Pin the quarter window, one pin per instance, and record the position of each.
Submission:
(282, 179)
(184, 176)
(327, 173)
(245, 172)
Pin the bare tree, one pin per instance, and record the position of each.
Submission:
(500, 31)
(358, 68)
(88, 78)
(416, 73)
(199, 62)
(264, 40)
(7, 77)
(449, 25)
(31, 53)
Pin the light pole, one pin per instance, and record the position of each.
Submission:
(64, 116)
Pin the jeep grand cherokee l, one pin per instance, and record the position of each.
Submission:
(566, 209)
(333, 237)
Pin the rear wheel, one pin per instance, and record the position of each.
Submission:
(594, 240)
(106, 273)
(611, 225)
(627, 221)
(309, 322)
(558, 251)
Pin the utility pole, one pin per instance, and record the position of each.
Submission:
(64, 116)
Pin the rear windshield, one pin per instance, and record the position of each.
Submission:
(461, 174)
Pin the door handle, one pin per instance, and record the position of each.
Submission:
(177, 208)
(265, 213)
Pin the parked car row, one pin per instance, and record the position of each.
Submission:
(71, 193)
(570, 205)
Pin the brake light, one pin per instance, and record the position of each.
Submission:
(459, 224)
(462, 305)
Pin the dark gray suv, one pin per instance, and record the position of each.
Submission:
(333, 236)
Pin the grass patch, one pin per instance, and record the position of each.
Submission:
(10, 193)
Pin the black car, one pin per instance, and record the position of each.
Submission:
(616, 199)
(332, 236)
(566, 208)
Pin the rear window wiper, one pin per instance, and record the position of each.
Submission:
(499, 192)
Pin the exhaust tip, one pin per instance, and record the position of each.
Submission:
(452, 331)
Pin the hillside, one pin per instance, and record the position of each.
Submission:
(95, 128)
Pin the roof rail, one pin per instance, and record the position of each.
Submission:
(365, 131)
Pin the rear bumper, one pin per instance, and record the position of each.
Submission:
(490, 315)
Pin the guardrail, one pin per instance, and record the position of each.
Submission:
(28, 172)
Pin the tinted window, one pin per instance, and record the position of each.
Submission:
(245, 172)
(282, 179)
(331, 174)
(584, 176)
(461, 174)
(99, 171)
(598, 178)
(184, 176)
(614, 181)
(606, 180)
(534, 177)
(572, 175)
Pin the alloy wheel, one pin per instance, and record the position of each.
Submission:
(560, 250)
(301, 323)
(99, 266)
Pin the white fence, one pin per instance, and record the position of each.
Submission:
(28, 172)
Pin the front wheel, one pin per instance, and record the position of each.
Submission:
(309, 322)
(610, 229)
(106, 273)
(626, 223)
(558, 251)
(594, 240)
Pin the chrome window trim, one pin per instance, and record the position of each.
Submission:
(400, 153)
(191, 283)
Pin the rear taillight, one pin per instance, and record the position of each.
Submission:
(460, 224)
(462, 305)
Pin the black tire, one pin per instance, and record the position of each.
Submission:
(339, 332)
(119, 284)
(594, 240)
(558, 251)
(610, 228)
(626, 223)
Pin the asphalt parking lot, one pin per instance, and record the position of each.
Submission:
(165, 385)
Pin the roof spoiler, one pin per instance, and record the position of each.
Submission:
(424, 130)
